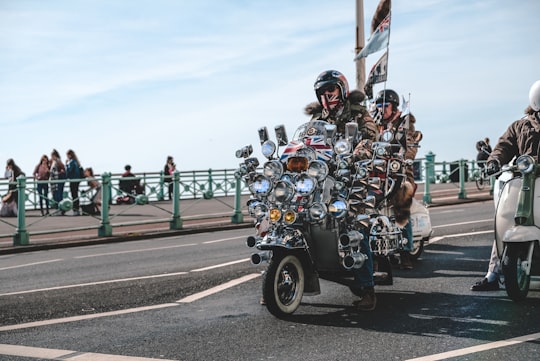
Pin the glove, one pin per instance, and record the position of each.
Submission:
(493, 167)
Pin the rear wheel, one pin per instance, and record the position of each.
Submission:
(283, 285)
(516, 279)
(480, 182)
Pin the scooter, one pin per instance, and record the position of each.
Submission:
(517, 226)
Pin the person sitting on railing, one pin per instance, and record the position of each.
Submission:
(129, 186)
(10, 200)
(94, 186)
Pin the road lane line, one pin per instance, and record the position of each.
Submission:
(188, 299)
(479, 348)
(54, 354)
(84, 317)
(220, 265)
(219, 288)
(223, 240)
(94, 283)
(436, 239)
(31, 264)
(463, 223)
(136, 250)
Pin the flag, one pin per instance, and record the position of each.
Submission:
(378, 40)
(378, 74)
(383, 9)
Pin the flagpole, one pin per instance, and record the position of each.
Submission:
(360, 63)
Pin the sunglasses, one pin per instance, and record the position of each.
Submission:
(381, 105)
(329, 88)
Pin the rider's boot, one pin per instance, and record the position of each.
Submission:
(406, 262)
(368, 300)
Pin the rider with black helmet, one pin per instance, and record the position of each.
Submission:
(389, 117)
(337, 105)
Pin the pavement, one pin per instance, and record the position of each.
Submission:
(137, 222)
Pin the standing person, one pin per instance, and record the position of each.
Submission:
(405, 134)
(168, 171)
(57, 172)
(336, 105)
(522, 137)
(41, 174)
(74, 174)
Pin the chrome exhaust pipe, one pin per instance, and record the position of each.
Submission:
(354, 260)
(350, 239)
(251, 241)
(258, 258)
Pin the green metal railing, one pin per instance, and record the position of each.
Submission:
(203, 185)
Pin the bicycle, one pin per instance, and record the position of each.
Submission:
(482, 178)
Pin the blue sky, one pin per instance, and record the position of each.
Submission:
(134, 81)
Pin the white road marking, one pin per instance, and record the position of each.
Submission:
(52, 354)
(479, 348)
(94, 283)
(223, 239)
(219, 288)
(462, 223)
(436, 239)
(136, 250)
(220, 265)
(188, 299)
(30, 264)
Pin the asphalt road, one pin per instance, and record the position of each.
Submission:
(196, 297)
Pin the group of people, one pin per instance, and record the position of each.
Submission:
(51, 174)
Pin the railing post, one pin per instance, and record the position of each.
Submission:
(430, 167)
(238, 217)
(462, 193)
(20, 238)
(105, 228)
(210, 192)
(176, 221)
(160, 193)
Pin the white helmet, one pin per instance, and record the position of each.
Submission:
(534, 96)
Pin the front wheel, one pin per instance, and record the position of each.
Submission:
(516, 279)
(283, 285)
(418, 248)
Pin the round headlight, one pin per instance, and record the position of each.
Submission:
(318, 211)
(305, 185)
(273, 169)
(283, 191)
(338, 208)
(289, 217)
(342, 146)
(260, 186)
(318, 169)
(525, 164)
(362, 173)
(275, 215)
(268, 148)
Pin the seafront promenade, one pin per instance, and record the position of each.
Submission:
(133, 222)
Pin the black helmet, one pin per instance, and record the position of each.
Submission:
(328, 78)
(387, 96)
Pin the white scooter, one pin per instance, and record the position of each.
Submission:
(517, 225)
